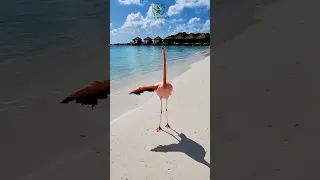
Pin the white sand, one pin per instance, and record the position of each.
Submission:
(133, 134)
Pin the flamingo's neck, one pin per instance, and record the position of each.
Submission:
(164, 67)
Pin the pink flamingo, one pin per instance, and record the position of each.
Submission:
(163, 90)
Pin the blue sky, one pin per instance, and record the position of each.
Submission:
(131, 18)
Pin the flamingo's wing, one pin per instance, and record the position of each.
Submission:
(90, 95)
(143, 89)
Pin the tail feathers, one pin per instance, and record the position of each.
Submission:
(143, 89)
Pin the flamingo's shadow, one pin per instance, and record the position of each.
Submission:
(184, 145)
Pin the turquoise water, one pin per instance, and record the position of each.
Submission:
(136, 60)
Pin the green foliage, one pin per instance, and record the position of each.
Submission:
(184, 34)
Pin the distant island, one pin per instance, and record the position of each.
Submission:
(180, 39)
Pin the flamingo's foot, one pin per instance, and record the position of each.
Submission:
(158, 129)
(168, 126)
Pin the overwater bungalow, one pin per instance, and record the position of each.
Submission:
(147, 40)
(202, 38)
(178, 39)
(182, 38)
(137, 41)
(157, 40)
(189, 40)
(207, 40)
(168, 40)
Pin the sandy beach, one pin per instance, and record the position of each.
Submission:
(137, 151)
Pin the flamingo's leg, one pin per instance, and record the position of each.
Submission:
(159, 128)
(167, 125)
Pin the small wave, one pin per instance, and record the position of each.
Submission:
(14, 103)
(14, 107)
(4, 109)
(7, 103)
(24, 106)
(204, 52)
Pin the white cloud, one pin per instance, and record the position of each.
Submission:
(169, 28)
(206, 26)
(194, 22)
(110, 25)
(181, 4)
(129, 2)
(149, 12)
(174, 20)
(194, 25)
(136, 22)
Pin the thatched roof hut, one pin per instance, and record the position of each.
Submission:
(201, 36)
(168, 39)
(137, 39)
(190, 37)
(158, 38)
(148, 39)
(179, 37)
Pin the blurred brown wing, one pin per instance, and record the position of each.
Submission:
(91, 94)
(143, 89)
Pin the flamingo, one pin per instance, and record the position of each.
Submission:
(90, 95)
(162, 89)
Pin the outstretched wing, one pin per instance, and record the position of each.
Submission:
(91, 94)
(143, 89)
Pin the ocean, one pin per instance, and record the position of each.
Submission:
(51, 46)
(128, 61)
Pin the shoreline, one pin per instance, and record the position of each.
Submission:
(121, 87)
(198, 56)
